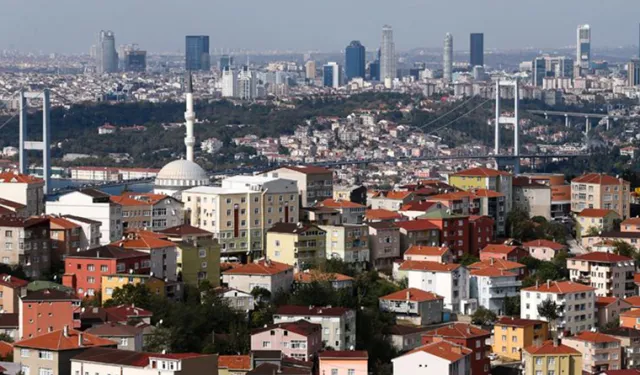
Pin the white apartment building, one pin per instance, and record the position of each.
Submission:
(267, 274)
(576, 304)
(441, 357)
(338, 323)
(315, 184)
(23, 189)
(490, 286)
(349, 242)
(450, 281)
(94, 205)
(610, 274)
(103, 174)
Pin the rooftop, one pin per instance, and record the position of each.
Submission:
(185, 230)
(500, 264)
(593, 337)
(597, 178)
(415, 265)
(301, 327)
(426, 250)
(517, 322)
(108, 252)
(481, 172)
(595, 212)
(412, 294)
(599, 256)
(344, 354)
(443, 349)
(261, 267)
(292, 228)
(332, 203)
(548, 347)
(544, 243)
(61, 340)
(15, 177)
(311, 310)
(499, 249)
(458, 330)
(560, 287)
(234, 362)
(50, 295)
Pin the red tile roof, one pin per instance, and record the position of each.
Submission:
(123, 313)
(234, 362)
(458, 195)
(396, 195)
(138, 199)
(443, 349)
(595, 212)
(5, 349)
(262, 267)
(344, 354)
(492, 272)
(185, 230)
(301, 327)
(416, 225)
(12, 281)
(499, 249)
(486, 193)
(548, 348)
(597, 178)
(422, 206)
(426, 250)
(635, 313)
(560, 287)
(458, 330)
(415, 265)
(481, 172)
(605, 301)
(545, 243)
(517, 322)
(381, 214)
(593, 337)
(599, 256)
(340, 203)
(315, 275)
(412, 294)
(141, 241)
(58, 341)
(634, 301)
(631, 221)
(500, 264)
(14, 177)
(311, 310)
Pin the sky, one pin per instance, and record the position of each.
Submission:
(71, 26)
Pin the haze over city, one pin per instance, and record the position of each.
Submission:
(72, 26)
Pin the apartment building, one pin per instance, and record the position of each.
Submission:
(531, 196)
(630, 343)
(349, 242)
(162, 253)
(241, 211)
(109, 283)
(451, 281)
(476, 339)
(352, 213)
(551, 357)
(492, 204)
(314, 184)
(384, 243)
(65, 237)
(505, 252)
(27, 243)
(440, 254)
(128, 337)
(336, 280)
(414, 305)
(596, 220)
(11, 289)
(391, 200)
(47, 310)
(23, 189)
(485, 178)
(149, 211)
(441, 357)
(608, 310)
(340, 362)
(544, 249)
(454, 231)
(502, 265)
(338, 323)
(630, 225)
(90, 231)
(265, 273)
(354, 193)
(296, 244)
(198, 260)
(460, 202)
(600, 352)
(11, 208)
(610, 274)
(576, 301)
(300, 340)
(481, 233)
(512, 335)
(600, 191)
(418, 232)
(491, 286)
(94, 205)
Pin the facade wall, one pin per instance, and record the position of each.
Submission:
(87, 272)
(510, 341)
(578, 309)
(453, 286)
(609, 279)
(559, 364)
(614, 197)
(597, 356)
(40, 317)
(384, 247)
(337, 332)
(343, 367)
(291, 344)
(534, 200)
(31, 195)
(273, 283)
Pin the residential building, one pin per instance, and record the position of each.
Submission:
(630, 225)
(504, 252)
(384, 244)
(109, 283)
(94, 205)
(315, 184)
(531, 196)
(630, 319)
(236, 299)
(296, 244)
(600, 191)
(415, 209)
(544, 249)
(459, 202)
(240, 212)
(551, 357)
(23, 189)
(439, 357)
(630, 343)
(595, 220)
(608, 310)
(185, 232)
(83, 270)
(468, 336)
(414, 305)
(11, 208)
(454, 231)
(128, 337)
(338, 323)
(600, 352)
(418, 232)
(560, 201)
(493, 204)
(234, 364)
(90, 234)
(348, 242)
(436, 254)
(485, 178)
(610, 274)
(299, 340)
(447, 280)
(337, 280)
(405, 337)
(199, 260)
(46, 311)
(481, 233)
(391, 200)
(51, 353)
(576, 301)
(343, 362)
(163, 253)
(502, 265)
(352, 213)
(321, 216)
(149, 211)
(491, 286)
(11, 289)
(26, 242)
(270, 275)
(511, 335)
(116, 361)
(65, 237)
(378, 215)
(354, 193)
(10, 325)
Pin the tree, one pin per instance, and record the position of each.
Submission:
(468, 259)
(512, 306)
(549, 310)
(483, 316)
(625, 249)
(592, 232)
(261, 294)
(130, 294)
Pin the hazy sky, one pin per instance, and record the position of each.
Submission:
(328, 25)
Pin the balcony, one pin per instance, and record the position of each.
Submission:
(505, 284)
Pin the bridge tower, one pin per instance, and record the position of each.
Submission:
(44, 145)
(514, 120)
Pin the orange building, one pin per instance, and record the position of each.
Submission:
(45, 311)
(630, 319)
(343, 362)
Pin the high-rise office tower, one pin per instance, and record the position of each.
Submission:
(197, 52)
(476, 57)
(354, 60)
(583, 47)
(447, 60)
(229, 82)
(387, 57)
(247, 84)
(133, 59)
(331, 75)
(107, 57)
(225, 61)
(310, 69)
(551, 66)
(633, 73)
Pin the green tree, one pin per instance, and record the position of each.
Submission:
(625, 249)
(483, 316)
(512, 306)
(261, 294)
(468, 259)
(549, 310)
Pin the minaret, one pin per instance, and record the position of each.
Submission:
(190, 117)
(448, 58)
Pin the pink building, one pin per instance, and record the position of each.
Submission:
(600, 352)
(300, 340)
(343, 362)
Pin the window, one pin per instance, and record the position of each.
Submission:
(124, 341)
(351, 371)
(538, 361)
(478, 356)
(109, 291)
(91, 267)
(24, 353)
(334, 371)
(45, 354)
(46, 371)
(25, 370)
(266, 344)
(104, 268)
(551, 361)
(91, 280)
(8, 234)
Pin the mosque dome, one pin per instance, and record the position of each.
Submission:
(181, 175)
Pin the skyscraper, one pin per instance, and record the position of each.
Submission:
(225, 61)
(197, 52)
(133, 59)
(387, 57)
(476, 57)
(447, 60)
(551, 66)
(633, 72)
(583, 47)
(331, 75)
(247, 84)
(310, 69)
(354, 60)
(107, 57)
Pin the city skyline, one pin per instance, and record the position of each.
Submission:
(54, 31)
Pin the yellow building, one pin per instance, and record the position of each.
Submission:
(485, 178)
(552, 358)
(512, 335)
(595, 220)
(296, 244)
(111, 282)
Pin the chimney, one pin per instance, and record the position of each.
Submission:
(408, 295)
(491, 261)
(65, 331)
(468, 330)
(548, 283)
(537, 283)
(79, 338)
(555, 341)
